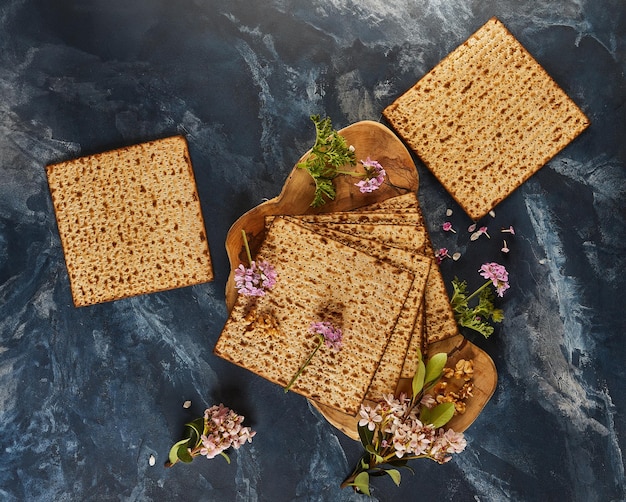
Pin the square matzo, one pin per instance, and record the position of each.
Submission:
(486, 118)
(319, 279)
(130, 221)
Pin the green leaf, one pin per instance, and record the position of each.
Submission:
(180, 451)
(374, 453)
(418, 379)
(394, 474)
(434, 367)
(438, 416)
(362, 482)
(365, 435)
(497, 315)
(173, 455)
(195, 430)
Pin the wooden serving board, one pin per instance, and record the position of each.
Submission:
(379, 143)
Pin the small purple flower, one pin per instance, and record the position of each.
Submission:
(332, 336)
(374, 176)
(256, 279)
(326, 334)
(497, 274)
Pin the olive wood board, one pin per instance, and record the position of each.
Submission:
(374, 140)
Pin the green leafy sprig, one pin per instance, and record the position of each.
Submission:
(380, 457)
(328, 154)
(476, 318)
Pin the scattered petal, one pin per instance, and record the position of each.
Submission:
(456, 256)
(509, 230)
(447, 227)
(351, 148)
(448, 212)
(472, 227)
(505, 249)
(187, 404)
(152, 460)
(475, 236)
(483, 230)
(492, 213)
(441, 254)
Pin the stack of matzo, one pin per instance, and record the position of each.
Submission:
(486, 118)
(130, 221)
(368, 271)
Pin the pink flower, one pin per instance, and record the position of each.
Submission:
(454, 441)
(497, 274)
(332, 336)
(509, 230)
(478, 233)
(374, 176)
(326, 333)
(369, 417)
(505, 248)
(441, 254)
(447, 227)
(223, 429)
(256, 279)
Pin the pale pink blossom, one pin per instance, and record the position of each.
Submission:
(369, 417)
(447, 227)
(497, 274)
(223, 429)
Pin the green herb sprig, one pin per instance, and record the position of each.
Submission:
(330, 152)
(475, 318)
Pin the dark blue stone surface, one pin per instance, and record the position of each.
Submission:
(87, 395)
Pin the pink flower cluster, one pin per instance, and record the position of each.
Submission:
(374, 176)
(402, 430)
(333, 337)
(497, 274)
(256, 279)
(223, 429)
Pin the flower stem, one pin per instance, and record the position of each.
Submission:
(477, 291)
(295, 377)
(245, 244)
(352, 173)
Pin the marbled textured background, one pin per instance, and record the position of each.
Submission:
(87, 395)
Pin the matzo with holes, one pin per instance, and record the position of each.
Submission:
(130, 221)
(486, 118)
(318, 279)
(407, 332)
